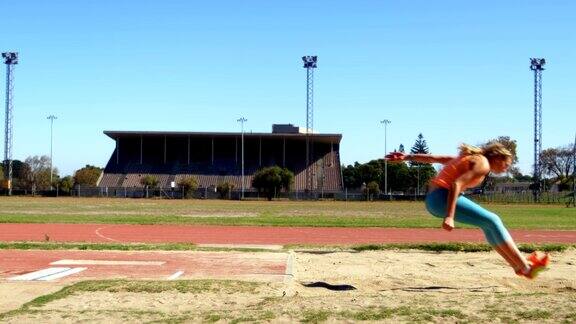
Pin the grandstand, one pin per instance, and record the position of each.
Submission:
(214, 158)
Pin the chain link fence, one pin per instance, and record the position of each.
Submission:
(346, 195)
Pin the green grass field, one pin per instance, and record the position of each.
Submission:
(263, 213)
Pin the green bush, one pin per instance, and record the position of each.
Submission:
(272, 180)
(149, 181)
(188, 185)
(66, 184)
(224, 189)
(87, 176)
(372, 189)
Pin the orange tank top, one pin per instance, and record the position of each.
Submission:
(452, 171)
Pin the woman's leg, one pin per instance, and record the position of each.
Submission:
(471, 213)
(502, 251)
(514, 258)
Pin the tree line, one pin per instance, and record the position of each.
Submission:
(33, 174)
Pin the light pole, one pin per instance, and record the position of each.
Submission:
(310, 63)
(242, 120)
(385, 122)
(537, 65)
(10, 59)
(51, 117)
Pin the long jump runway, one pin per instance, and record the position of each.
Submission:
(35, 266)
(102, 233)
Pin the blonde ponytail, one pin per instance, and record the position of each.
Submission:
(466, 149)
(496, 150)
(490, 150)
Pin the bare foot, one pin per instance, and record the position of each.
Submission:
(448, 224)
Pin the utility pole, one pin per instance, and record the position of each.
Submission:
(537, 65)
(51, 118)
(385, 122)
(10, 59)
(242, 120)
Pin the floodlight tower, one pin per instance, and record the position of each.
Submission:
(242, 120)
(537, 65)
(10, 59)
(310, 63)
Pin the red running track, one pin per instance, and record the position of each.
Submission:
(99, 233)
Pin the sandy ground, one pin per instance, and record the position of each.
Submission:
(14, 294)
(391, 286)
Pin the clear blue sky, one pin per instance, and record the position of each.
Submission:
(455, 71)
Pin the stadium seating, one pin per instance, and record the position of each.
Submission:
(221, 166)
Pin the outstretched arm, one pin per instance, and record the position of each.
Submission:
(422, 158)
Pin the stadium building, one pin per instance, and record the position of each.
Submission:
(214, 158)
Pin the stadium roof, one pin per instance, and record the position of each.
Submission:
(335, 138)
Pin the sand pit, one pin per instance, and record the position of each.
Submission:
(391, 286)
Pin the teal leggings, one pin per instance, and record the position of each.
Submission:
(468, 212)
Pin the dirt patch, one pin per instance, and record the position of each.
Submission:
(19, 293)
(391, 286)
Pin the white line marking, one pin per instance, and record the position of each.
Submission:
(62, 274)
(97, 231)
(289, 274)
(107, 262)
(39, 274)
(175, 275)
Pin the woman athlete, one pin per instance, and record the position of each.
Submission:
(465, 171)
